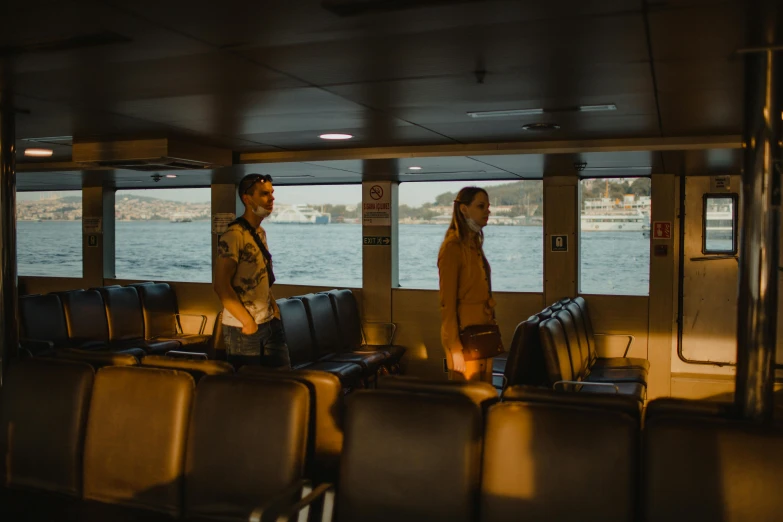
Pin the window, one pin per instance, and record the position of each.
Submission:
(614, 244)
(315, 235)
(719, 225)
(49, 234)
(163, 234)
(513, 241)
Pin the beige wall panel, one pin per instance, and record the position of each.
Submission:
(560, 218)
(417, 316)
(663, 286)
(619, 314)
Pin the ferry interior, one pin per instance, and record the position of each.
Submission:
(117, 402)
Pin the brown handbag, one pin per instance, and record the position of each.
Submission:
(481, 341)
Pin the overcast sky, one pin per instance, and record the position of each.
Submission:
(413, 194)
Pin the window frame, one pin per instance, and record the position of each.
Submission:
(734, 227)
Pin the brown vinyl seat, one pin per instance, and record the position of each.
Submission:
(99, 359)
(623, 403)
(559, 462)
(162, 319)
(710, 467)
(481, 393)
(246, 445)
(326, 408)
(197, 369)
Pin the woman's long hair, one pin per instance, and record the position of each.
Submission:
(458, 222)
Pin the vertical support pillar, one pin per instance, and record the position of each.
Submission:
(561, 220)
(380, 272)
(9, 299)
(98, 236)
(761, 198)
(225, 203)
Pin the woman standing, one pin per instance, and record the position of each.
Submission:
(465, 283)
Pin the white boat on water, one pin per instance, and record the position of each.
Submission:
(180, 217)
(298, 215)
(622, 221)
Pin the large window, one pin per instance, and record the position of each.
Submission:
(615, 236)
(163, 234)
(513, 238)
(49, 233)
(315, 235)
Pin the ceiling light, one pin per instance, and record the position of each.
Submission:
(414, 168)
(598, 108)
(500, 114)
(171, 175)
(38, 153)
(336, 136)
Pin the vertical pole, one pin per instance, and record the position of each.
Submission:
(761, 185)
(9, 299)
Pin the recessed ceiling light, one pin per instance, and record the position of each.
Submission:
(598, 108)
(336, 136)
(500, 114)
(414, 168)
(171, 175)
(541, 127)
(38, 153)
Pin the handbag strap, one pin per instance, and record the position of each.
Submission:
(260, 244)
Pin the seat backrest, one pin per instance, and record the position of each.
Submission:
(43, 413)
(266, 423)
(711, 468)
(525, 364)
(123, 311)
(545, 461)
(197, 369)
(409, 456)
(85, 316)
(97, 359)
(159, 308)
(323, 323)
(581, 331)
(41, 317)
(326, 409)
(579, 358)
(348, 321)
(297, 331)
(623, 403)
(555, 346)
(136, 433)
(481, 393)
(582, 304)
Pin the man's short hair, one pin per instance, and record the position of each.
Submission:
(249, 181)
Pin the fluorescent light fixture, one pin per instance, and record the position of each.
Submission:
(501, 114)
(171, 175)
(598, 108)
(38, 153)
(335, 136)
(414, 168)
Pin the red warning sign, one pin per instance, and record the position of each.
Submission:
(662, 230)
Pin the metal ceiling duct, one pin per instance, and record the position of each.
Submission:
(150, 155)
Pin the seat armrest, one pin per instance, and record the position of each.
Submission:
(36, 345)
(628, 336)
(201, 326)
(192, 356)
(582, 383)
(301, 510)
(389, 341)
(280, 503)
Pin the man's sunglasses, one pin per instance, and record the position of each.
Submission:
(249, 181)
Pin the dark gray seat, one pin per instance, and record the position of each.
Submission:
(42, 324)
(196, 368)
(300, 345)
(162, 319)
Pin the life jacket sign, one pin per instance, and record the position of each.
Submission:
(560, 243)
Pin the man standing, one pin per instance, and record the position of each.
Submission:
(252, 329)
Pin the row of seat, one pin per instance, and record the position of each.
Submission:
(131, 443)
(138, 319)
(324, 332)
(543, 455)
(143, 443)
(556, 348)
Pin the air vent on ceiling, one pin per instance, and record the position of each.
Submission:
(150, 155)
(360, 7)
